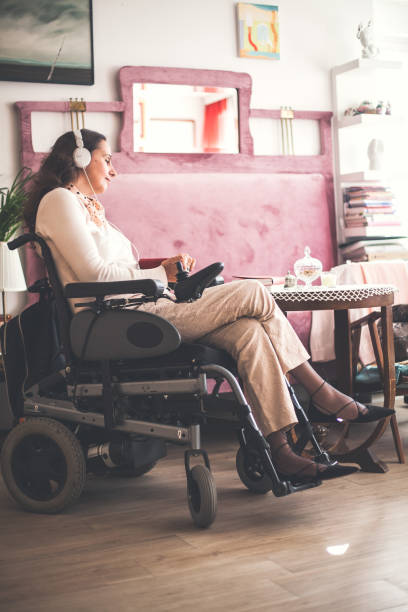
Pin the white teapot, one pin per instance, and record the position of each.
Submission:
(308, 268)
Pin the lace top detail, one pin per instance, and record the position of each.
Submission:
(94, 207)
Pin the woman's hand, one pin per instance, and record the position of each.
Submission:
(170, 266)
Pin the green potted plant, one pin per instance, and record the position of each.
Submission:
(11, 205)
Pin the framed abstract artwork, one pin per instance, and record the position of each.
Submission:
(46, 41)
(258, 30)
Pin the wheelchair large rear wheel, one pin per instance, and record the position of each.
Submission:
(43, 465)
(202, 496)
(251, 471)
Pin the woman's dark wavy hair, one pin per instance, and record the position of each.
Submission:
(57, 170)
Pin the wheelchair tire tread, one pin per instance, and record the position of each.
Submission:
(202, 496)
(71, 450)
(250, 477)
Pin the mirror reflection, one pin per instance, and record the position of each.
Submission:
(185, 119)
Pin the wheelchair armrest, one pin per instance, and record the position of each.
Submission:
(146, 286)
(21, 241)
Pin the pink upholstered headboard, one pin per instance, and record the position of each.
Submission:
(255, 213)
(254, 223)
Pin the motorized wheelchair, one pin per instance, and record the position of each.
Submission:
(110, 386)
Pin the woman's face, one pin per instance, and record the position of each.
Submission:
(100, 171)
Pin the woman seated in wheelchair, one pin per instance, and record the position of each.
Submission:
(240, 317)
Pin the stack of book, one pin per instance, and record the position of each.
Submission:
(369, 211)
(375, 249)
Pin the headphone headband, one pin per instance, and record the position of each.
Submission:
(78, 138)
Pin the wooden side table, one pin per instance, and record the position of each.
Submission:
(341, 300)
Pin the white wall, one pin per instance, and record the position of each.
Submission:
(314, 34)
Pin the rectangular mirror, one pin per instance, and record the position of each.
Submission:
(171, 118)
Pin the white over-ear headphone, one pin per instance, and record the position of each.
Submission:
(81, 156)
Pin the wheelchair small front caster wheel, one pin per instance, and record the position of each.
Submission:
(251, 471)
(43, 465)
(202, 496)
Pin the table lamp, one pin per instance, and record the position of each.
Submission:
(11, 274)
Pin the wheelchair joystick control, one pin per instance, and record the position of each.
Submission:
(182, 274)
(190, 288)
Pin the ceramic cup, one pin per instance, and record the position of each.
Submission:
(328, 279)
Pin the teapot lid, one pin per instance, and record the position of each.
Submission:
(307, 260)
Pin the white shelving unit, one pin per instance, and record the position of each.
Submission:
(367, 119)
(366, 64)
(365, 176)
(348, 83)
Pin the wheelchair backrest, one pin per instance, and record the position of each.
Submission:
(31, 349)
(89, 335)
(62, 308)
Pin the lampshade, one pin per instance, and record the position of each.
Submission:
(11, 271)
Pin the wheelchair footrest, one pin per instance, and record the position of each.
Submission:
(295, 488)
(257, 470)
(284, 487)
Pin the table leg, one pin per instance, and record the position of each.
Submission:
(344, 363)
(388, 356)
(343, 350)
(389, 382)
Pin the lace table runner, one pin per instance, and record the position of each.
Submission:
(319, 293)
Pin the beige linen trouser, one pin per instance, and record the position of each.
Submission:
(242, 318)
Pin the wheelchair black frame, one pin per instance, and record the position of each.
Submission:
(249, 435)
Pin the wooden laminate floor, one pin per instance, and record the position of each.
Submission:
(130, 544)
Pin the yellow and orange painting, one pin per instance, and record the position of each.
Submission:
(258, 30)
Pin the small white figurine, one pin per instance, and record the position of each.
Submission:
(380, 109)
(375, 154)
(366, 37)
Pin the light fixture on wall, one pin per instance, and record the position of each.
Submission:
(76, 108)
(286, 118)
